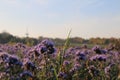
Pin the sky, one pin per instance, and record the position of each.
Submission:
(55, 18)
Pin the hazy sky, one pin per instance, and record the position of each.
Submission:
(55, 18)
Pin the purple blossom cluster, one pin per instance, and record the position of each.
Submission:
(45, 62)
(90, 61)
(20, 62)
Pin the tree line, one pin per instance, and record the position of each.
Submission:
(6, 37)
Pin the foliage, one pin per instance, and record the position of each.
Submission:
(75, 41)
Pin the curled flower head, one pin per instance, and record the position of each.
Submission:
(98, 57)
(51, 50)
(40, 49)
(47, 43)
(30, 65)
(102, 58)
(14, 60)
(4, 56)
(80, 55)
(45, 47)
(66, 63)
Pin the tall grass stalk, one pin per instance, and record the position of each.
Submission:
(61, 53)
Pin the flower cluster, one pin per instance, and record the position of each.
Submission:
(45, 62)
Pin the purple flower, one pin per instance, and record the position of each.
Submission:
(47, 43)
(4, 56)
(30, 65)
(14, 60)
(72, 50)
(51, 50)
(62, 75)
(97, 49)
(104, 51)
(98, 57)
(66, 63)
(45, 47)
(80, 55)
(66, 55)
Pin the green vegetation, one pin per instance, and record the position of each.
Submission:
(75, 41)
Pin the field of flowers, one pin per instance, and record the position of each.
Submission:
(46, 62)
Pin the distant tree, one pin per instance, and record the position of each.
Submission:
(5, 37)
